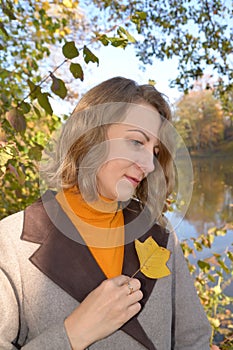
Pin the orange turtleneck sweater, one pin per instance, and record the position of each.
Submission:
(101, 225)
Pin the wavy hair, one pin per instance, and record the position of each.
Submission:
(78, 154)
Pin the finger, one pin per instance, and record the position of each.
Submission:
(133, 310)
(135, 297)
(120, 280)
(132, 285)
(136, 283)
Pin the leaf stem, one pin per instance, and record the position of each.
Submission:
(134, 274)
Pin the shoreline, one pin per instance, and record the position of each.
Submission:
(223, 150)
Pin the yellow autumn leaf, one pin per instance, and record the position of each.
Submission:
(67, 3)
(152, 258)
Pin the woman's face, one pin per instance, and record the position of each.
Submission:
(133, 146)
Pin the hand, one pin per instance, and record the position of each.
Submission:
(103, 311)
(214, 347)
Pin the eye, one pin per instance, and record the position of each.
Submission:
(136, 142)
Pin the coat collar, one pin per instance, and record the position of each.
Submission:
(60, 255)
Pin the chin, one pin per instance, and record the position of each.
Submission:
(124, 196)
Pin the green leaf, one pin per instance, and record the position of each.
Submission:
(118, 42)
(26, 107)
(35, 152)
(35, 90)
(37, 111)
(124, 33)
(198, 246)
(8, 12)
(58, 87)
(16, 119)
(77, 71)
(219, 273)
(211, 278)
(223, 265)
(141, 14)
(230, 255)
(89, 56)
(44, 102)
(203, 265)
(104, 40)
(69, 50)
(3, 30)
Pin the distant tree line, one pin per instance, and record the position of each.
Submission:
(201, 120)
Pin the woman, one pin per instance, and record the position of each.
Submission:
(67, 261)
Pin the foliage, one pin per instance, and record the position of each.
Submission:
(30, 30)
(199, 120)
(29, 33)
(19, 156)
(198, 33)
(212, 276)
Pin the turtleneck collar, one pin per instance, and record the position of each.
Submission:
(100, 222)
(100, 210)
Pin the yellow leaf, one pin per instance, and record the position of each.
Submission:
(46, 5)
(67, 3)
(152, 258)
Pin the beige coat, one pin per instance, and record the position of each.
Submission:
(45, 274)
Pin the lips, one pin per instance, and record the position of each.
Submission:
(134, 181)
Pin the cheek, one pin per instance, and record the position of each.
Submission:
(113, 169)
(111, 182)
(105, 173)
(120, 150)
(117, 167)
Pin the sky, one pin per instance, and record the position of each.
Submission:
(123, 62)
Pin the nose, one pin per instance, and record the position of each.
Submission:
(146, 162)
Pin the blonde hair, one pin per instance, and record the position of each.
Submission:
(86, 129)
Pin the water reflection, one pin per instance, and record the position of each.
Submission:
(211, 205)
(212, 198)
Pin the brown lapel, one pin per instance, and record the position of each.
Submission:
(61, 255)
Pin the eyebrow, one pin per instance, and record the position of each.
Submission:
(142, 132)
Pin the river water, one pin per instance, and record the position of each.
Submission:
(211, 205)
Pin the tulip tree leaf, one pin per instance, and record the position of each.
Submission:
(152, 258)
